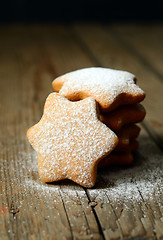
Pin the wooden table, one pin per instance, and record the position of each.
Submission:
(126, 203)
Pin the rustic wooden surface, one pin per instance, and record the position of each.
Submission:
(125, 203)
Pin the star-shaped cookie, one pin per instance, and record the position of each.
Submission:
(70, 140)
(111, 88)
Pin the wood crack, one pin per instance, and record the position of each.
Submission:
(14, 211)
(66, 213)
(96, 217)
(117, 219)
(89, 232)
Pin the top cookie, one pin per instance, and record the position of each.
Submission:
(70, 140)
(111, 88)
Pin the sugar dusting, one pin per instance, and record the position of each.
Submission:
(103, 84)
(70, 139)
(141, 182)
(122, 187)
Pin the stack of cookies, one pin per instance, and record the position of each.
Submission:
(119, 100)
(88, 122)
(122, 121)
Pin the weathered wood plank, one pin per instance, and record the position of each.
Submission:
(110, 52)
(31, 209)
(145, 40)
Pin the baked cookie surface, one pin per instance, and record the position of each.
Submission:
(111, 88)
(123, 115)
(70, 140)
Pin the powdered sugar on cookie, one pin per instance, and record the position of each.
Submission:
(70, 140)
(106, 85)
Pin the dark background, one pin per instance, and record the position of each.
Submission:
(82, 10)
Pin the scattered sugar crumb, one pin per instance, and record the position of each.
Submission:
(141, 182)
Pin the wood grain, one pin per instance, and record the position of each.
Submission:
(31, 56)
(145, 40)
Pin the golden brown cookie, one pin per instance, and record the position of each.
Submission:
(70, 140)
(123, 115)
(125, 135)
(111, 88)
(131, 147)
(116, 159)
(120, 158)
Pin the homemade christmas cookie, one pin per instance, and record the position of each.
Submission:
(123, 115)
(70, 140)
(120, 158)
(125, 135)
(117, 159)
(111, 88)
(130, 130)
